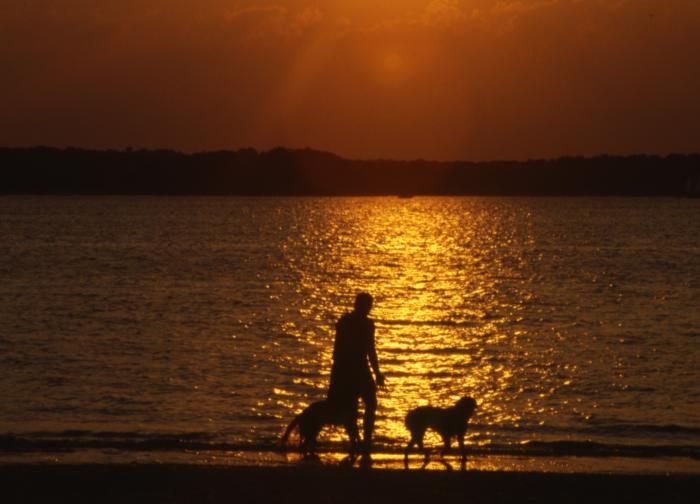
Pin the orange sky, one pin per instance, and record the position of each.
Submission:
(438, 79)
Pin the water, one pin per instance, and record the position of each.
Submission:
(189, 325)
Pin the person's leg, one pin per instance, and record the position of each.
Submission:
(369, 398)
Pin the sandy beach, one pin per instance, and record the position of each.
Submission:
(198, 484)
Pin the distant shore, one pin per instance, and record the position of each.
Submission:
(307, 172)
(207, 484)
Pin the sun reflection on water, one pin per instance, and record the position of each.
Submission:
(439, 306)
(212, 319)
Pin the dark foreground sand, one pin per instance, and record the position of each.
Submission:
(201, 484)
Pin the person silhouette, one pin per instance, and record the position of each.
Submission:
(351, 378)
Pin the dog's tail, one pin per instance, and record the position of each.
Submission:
(288, 430)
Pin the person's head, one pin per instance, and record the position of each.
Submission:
(363, 303)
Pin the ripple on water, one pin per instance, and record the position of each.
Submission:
(564, 318)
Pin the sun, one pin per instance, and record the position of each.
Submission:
(393, 63)
(391, 67)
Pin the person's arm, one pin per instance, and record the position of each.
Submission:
(373, 360)
(335, 341)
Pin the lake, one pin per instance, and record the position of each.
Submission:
(183, 326)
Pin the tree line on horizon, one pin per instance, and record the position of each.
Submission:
(292, 172)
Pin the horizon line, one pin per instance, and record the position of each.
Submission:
(130, 149)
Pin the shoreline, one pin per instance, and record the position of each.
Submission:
(381, 461)
(153, 483)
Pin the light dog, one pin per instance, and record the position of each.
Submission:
(319, 414)
(448, 422)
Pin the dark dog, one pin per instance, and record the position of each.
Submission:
(319, 414)
(448, 422)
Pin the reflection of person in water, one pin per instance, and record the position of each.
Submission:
(351, 377)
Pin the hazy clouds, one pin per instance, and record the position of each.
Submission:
(471, 79)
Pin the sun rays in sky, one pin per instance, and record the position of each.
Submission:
(442, 79)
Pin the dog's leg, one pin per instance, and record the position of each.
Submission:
(312, 447)
(308, 445)
(445, 447)
(426, 452)
(302, 446)
(405, 452)
(463, 451)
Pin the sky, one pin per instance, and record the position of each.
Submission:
(403, 79)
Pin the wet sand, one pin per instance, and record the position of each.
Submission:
(319, 484)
